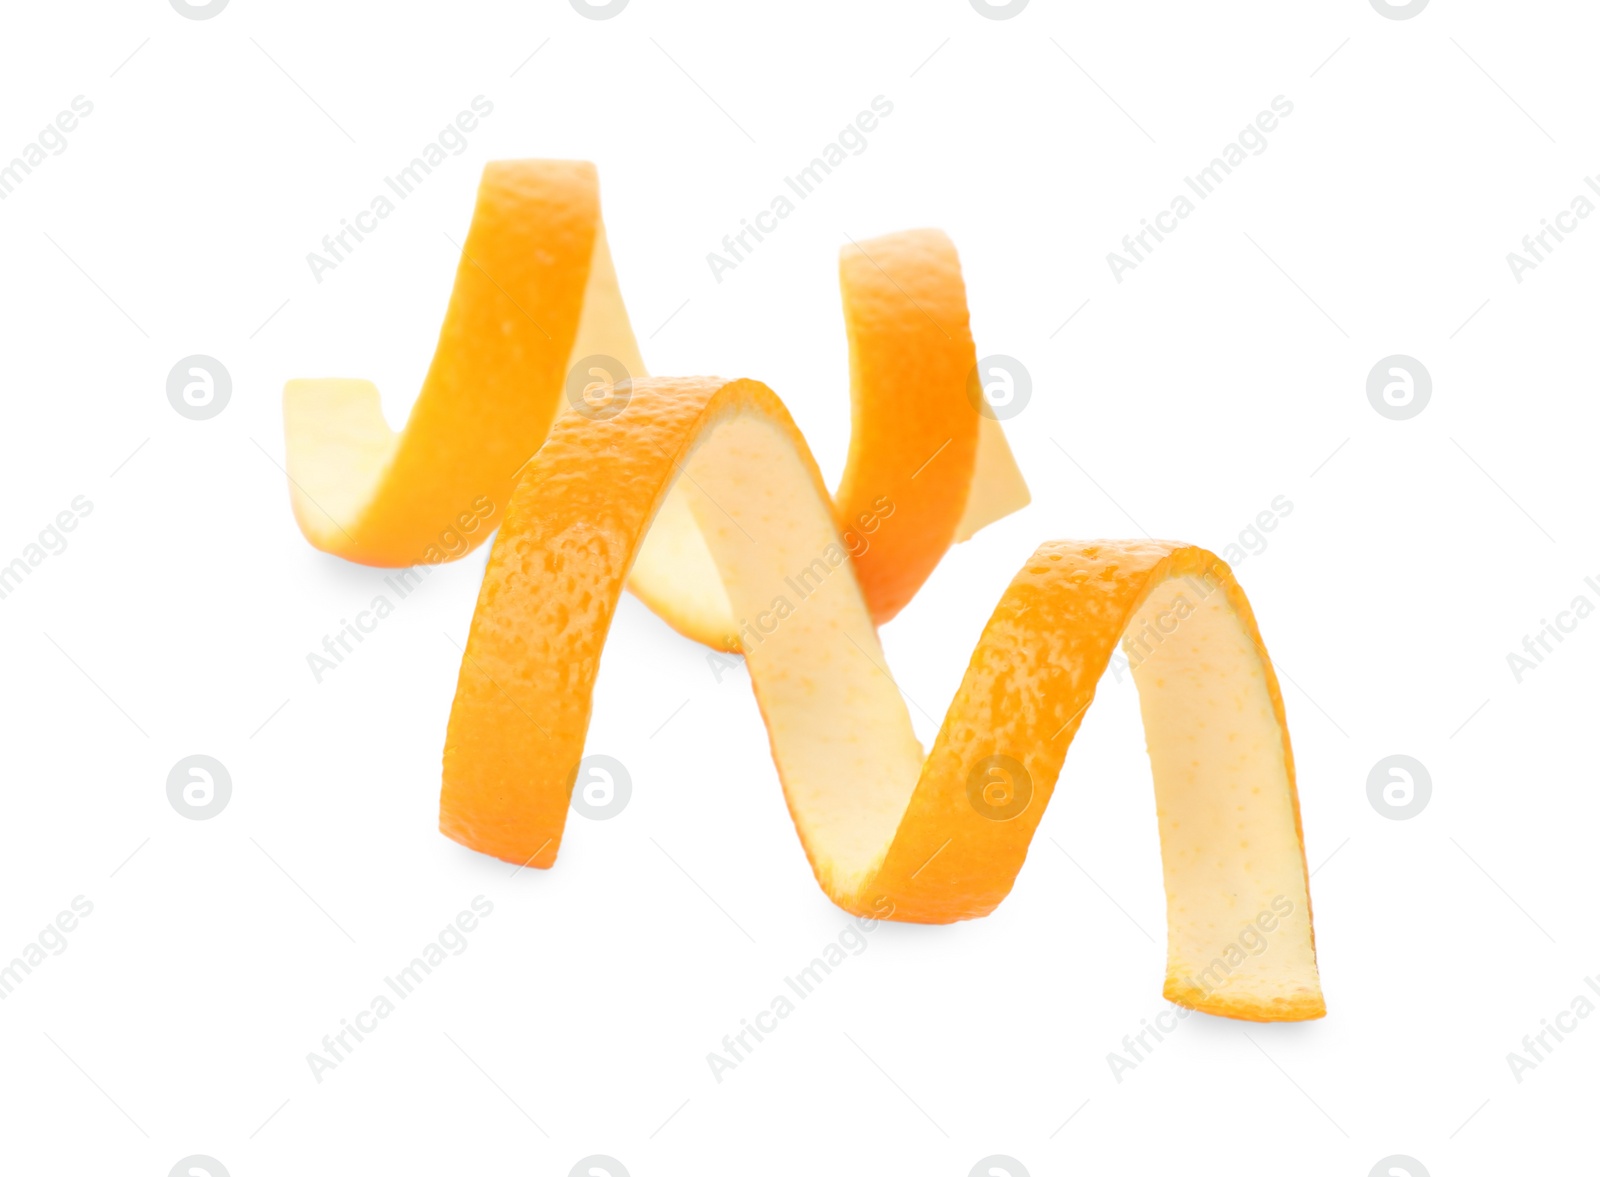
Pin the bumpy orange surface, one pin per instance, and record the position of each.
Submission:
(703, 496)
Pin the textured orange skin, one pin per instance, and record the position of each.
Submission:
(498, 375)
(905, 310)
(576, 513)
(575, 520)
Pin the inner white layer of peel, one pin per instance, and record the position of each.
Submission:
(1238, 916)
(742, 535)
(843, 740)
(336, 450)
(840, 731)
(1235, 872)
(674, 570)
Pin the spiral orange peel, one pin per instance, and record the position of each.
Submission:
(703, 497)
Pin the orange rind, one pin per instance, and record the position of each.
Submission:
(702, 496)
(536, 295)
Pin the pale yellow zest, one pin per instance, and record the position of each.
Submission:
(703, 496)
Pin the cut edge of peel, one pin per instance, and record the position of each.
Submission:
(1306, 1006)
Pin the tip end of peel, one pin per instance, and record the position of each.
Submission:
(1301, 1005)
(997, 488)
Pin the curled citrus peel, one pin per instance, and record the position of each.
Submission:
(703, 496)
(535, 297)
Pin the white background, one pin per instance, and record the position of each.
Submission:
(1221, 373)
